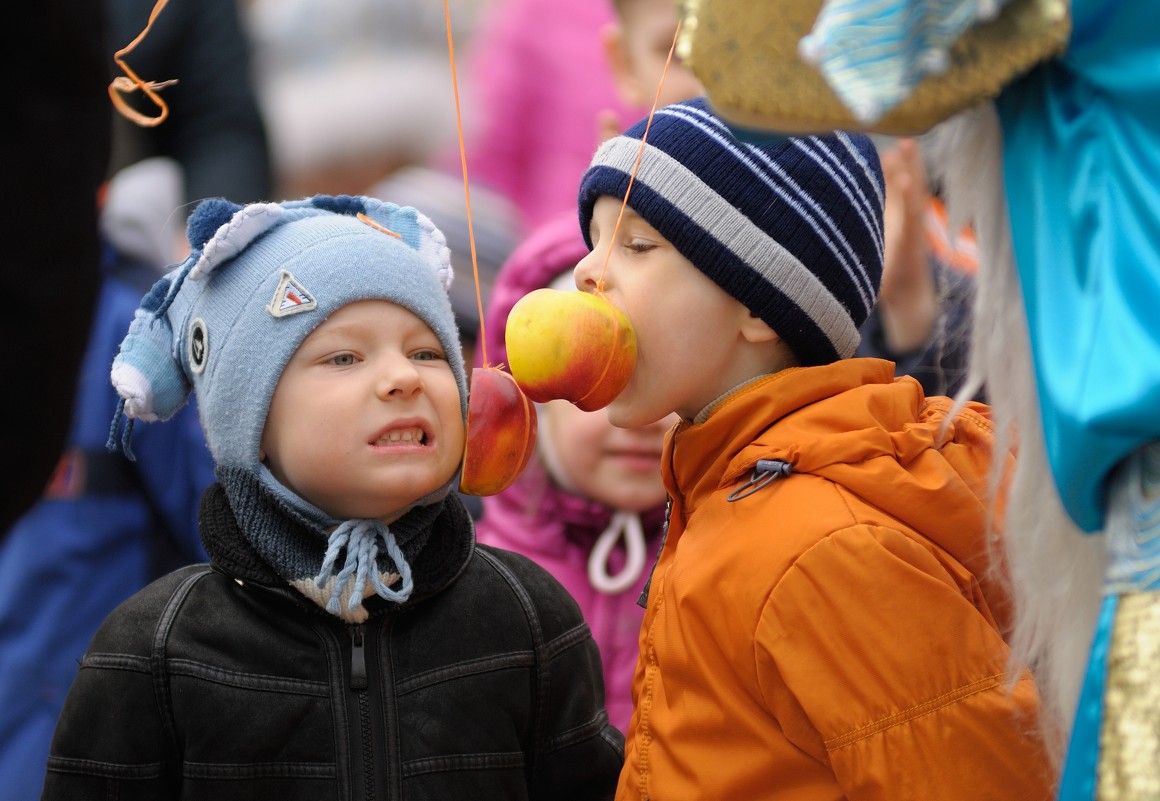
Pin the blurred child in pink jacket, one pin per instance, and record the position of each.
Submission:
(590, 507)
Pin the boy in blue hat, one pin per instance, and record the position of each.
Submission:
(348, 638)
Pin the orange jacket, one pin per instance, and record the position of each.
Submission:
(831, 635)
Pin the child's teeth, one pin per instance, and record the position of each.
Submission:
(404, 436)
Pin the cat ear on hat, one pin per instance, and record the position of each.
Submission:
(419, 233)
(433, 248)
(207, 217)
(221, 230)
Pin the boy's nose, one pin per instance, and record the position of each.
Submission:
(398, 378)
(587, 272)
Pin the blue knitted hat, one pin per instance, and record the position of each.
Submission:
(791, 227)
(225, 323)
(257, 281)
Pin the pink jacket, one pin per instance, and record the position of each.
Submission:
(539, 79)
(543, 522)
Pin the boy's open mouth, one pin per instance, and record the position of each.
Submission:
(396, 436)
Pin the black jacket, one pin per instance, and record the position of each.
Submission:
(224, 683)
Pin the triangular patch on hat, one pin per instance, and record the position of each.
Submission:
(291, 297)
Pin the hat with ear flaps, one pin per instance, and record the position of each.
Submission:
(226, 321)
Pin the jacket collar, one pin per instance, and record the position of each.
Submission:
(438, 540)
(700, 458)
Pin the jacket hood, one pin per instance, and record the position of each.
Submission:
(852, 423)
(551, 249)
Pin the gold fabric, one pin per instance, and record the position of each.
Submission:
(745, 52)
(1129, 767)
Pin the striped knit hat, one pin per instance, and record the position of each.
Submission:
(790, 226)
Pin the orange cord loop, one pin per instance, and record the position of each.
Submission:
(131, 82)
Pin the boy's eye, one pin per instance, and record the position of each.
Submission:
(640, 246)
(427, 355)
(343, 359)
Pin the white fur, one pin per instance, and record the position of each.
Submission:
(1056, 571)
(132, 385)
(231, 238)
(433, 248)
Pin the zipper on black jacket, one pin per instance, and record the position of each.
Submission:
(361, 727)
(358, 658)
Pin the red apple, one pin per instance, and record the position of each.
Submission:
(501, 433)
(577, 346)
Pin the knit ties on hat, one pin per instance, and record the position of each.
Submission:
(360, 539)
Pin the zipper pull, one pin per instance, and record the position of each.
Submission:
(358, 659)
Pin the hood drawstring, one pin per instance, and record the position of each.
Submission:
(624, 525)
(765, 471)
(360, 539)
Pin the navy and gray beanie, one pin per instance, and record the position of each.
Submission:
(790, 226)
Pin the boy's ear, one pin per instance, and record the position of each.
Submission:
(620, 65)
(756, 330)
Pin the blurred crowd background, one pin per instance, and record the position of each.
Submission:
(277, 99)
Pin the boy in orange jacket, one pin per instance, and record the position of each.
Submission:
(823, 621)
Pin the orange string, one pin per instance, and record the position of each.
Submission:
(378, 227)
(639, 154)
(466, 185)
(133, 82)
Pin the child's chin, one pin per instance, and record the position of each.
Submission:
(622, 414)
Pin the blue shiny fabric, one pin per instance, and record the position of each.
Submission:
(1082, 165)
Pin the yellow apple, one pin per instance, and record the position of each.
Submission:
(577, 346)
(501, 433)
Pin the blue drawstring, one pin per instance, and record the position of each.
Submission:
(360, 539)
(162, 302)
(126, 435)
